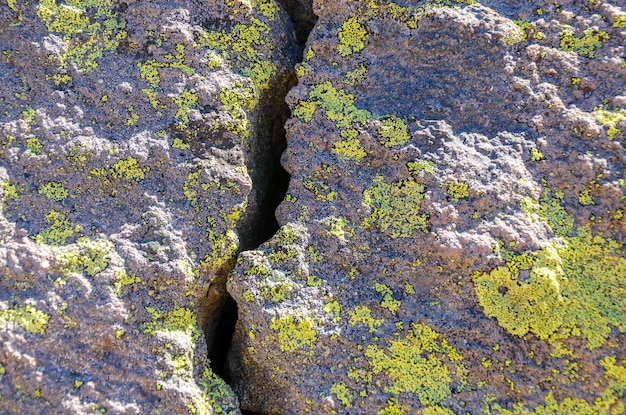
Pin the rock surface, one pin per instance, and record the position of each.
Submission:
(451, 240)
(452, 236)
(134, 159)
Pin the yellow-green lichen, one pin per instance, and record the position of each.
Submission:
(218, 398)
(242, 46)
(420, 363)
(357, 75)
(87, 35)
(33, 145)
(457, 190)
(9, 191)
(610, 120)
(53, 191)
(342, 393)
(349, 150)
(127, 169)
(185, 102)
(352, 36)
(92, 257)
(27, 317)
(180, 144)
(620, 22)
(388, 301)
(235, 101)
(13, 6)
(586, 45)
(584, 197)
(277, 292)
(304, 110)
(338, 107)
(28, 116)
(409, 289)
(179, 319)
(451, 3)
(525, 29)
(393, 408)
(403, 14)
(551, 210)
(321, 190)
(122, 279)
(574, 289)
(609, 401)
(418, 166)
(393, 131)
(59, 230)
(333, 308)
(224, 249)
(536, 155)
(133, 117)
(339, 227)
(338, 104)
(294, 334)
(363, 315)
(395, 207)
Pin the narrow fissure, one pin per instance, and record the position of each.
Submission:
(218, 311)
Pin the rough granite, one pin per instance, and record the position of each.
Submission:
(452, 239)
(134, 146)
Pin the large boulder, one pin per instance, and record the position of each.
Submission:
(135, 143)
(452, 237)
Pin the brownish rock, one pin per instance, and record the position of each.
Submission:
(452, 236)
(134, 159)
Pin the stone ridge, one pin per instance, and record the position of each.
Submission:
(452, 238)
(135, 156)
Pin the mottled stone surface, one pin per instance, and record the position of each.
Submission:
(452, 237)
(134, 146)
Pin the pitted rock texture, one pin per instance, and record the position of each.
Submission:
(134, 144)
(452, 236)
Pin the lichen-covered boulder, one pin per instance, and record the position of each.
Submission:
(134, 141)
(452, 237)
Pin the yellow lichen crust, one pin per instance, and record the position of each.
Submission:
(610, 401)
(352, 36)
(241, 47)
(59, 230)
(393, 131)
(54, 191)
(179, 319)
(91, 258)
(28, 317)
(457, 191)
(395, 207)
(294, 335)
(610, 120)
(574, 289)
(87, 36)
(585, 45)
(420, 363)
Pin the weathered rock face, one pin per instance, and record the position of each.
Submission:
(452, 237)
(134, 147)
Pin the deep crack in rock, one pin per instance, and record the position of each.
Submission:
(218, 311)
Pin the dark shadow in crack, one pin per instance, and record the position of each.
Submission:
(218, 311)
